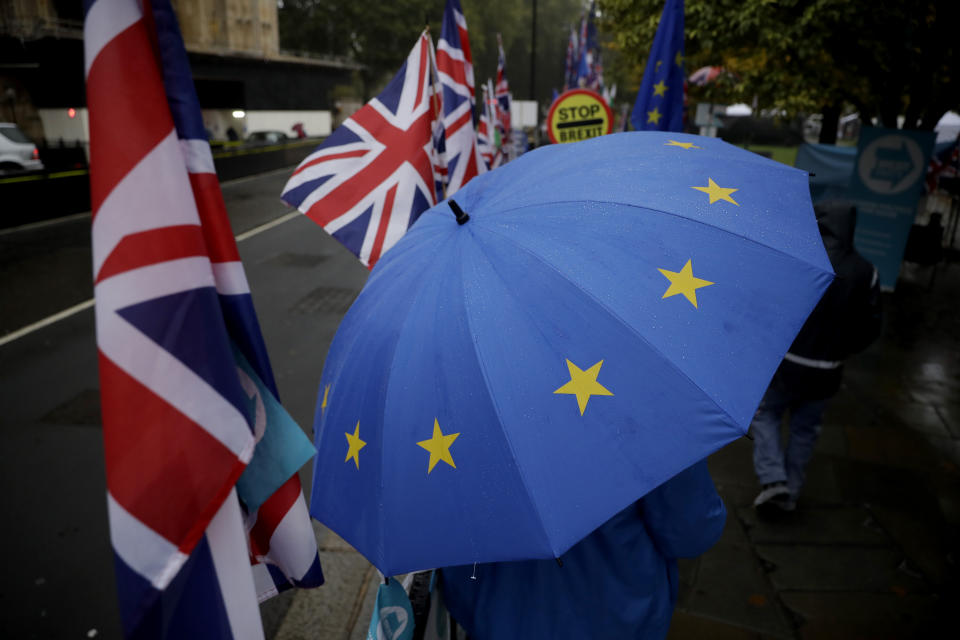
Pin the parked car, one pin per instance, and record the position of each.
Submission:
(17, 153)
(267, 137)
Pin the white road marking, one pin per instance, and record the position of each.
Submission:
(77, 308)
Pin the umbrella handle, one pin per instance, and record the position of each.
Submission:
(462, 215)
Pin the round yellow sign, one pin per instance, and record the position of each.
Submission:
(578, 114)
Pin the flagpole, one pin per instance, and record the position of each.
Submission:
(434, 99)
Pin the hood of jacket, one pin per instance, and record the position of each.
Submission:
(837, 220)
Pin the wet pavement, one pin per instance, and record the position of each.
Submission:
(872, 550)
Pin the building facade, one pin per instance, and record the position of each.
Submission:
(234, 52)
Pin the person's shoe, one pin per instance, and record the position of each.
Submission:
(774, 498)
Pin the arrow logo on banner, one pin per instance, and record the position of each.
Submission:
(892, 165)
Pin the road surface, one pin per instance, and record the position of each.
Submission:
(58, 579)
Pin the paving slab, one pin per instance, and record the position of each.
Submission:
(848, 616)
(933, 393)
(950, 413)
(922, 417)
(924, 540)
(732, 587)
(891, 446)
(689, 626)
(816, 526)
(332, 611)
(366, 610)
(838, 568)
(821, 487)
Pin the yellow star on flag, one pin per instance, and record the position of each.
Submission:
(685, 145)
(323, 405)
(656, 67)
(684, 282)
(583, 384)
(678, 59)
(439, 447)
(654, 116)
(716, 192)
(354, 444)
(660, 89)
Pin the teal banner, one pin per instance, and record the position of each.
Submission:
(886, 186)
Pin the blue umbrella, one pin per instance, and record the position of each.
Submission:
(602, 315)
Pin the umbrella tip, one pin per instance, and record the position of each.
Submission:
(462, 215)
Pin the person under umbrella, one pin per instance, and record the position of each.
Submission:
(621, 581)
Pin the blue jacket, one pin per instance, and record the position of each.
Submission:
(619, 582)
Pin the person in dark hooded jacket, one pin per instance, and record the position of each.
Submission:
(619, 582)
(844, 322)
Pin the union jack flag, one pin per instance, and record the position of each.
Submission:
(172, 309)
(488, 136)
(461, 156)
(374, 176)
(502, 93)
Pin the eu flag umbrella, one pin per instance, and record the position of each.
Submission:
(595, 318)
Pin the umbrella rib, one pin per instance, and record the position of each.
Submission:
(667, 213)
(506, 435)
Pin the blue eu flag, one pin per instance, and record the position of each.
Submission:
(659, 105)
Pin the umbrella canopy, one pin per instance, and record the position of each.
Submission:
(610, 313)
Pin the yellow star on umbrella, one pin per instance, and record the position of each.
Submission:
(354, 444)
(684, 282)
(660, 89)
(583, 384)
(716, 192)
(685, 145)
(654, 116)
(439, 447)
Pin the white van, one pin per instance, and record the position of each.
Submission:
(17, 153)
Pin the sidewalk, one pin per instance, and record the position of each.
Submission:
(872, 551)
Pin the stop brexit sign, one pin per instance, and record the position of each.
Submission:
(577, 115)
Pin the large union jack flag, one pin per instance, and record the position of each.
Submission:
(374, 176)
(174, 317)
(461, 157)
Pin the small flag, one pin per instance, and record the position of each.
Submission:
(569, 79)
(659, 105)
(488, 134)
(392, 613)
(502, 105)
(374, 176)
(460, 157)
